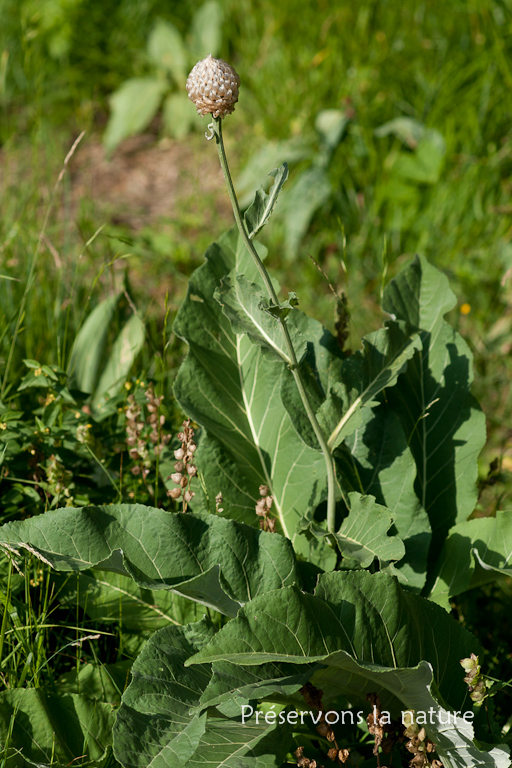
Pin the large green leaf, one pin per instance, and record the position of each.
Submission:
(242, 303)
(342, 390)
(51, 728)
(368, 635)
(376, 460)
(167, 49)
(309, 193)
(363, 536)
(368, 616)
(133, 106)
(124, 350)
(474, 553)
(363, 376)
(443, 424)
(89, 346)
(108, 597)
(228, 385)
(206, 30)
(208, 559)
(155, 727)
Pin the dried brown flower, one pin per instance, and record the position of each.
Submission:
(185, 470)
(263, 506)
(304, 762)
(213, 87)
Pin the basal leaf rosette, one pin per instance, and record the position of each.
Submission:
(358, 634)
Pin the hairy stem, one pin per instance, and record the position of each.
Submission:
(294, 367)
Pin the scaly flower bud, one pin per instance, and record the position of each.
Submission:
(213, 87)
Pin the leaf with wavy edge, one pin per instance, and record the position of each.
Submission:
(411, 689)
(155, 727)
(243, 303)
(368, 635)
(376, 460)
(369, 616)
(364, 375)
(216, 562)
(260, 210)
(52, 728)
(442, 422)
(343, 389)
(474, 553)
(363, 536)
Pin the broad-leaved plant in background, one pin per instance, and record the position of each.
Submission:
(140, 99)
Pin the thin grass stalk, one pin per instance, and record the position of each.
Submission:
(21, 310)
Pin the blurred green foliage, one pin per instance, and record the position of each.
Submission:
(65, 53)
(170, 56)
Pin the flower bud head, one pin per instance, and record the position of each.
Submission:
(213, 87)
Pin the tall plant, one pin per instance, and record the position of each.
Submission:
(347, 483)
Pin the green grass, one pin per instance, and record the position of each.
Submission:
(447, 69)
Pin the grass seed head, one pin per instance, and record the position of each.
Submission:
(213, 87)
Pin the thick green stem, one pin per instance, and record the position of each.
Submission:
(294, 367)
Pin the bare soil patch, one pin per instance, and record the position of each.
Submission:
(145, 180)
